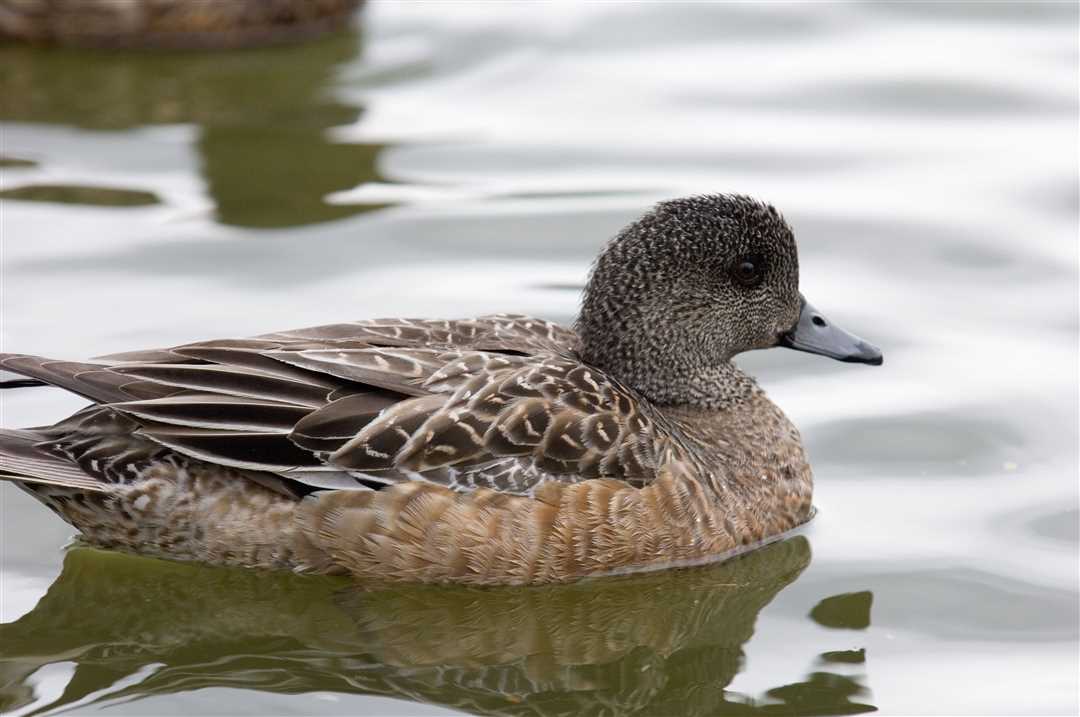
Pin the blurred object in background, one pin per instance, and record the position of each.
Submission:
(262, 117)
(171, 23)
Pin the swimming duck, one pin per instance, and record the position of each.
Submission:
(498, 450)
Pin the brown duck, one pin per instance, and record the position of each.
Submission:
(503, 449)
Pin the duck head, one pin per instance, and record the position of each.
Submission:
(694, 282)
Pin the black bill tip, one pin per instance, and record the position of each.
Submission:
(815, 334)
(865, 353)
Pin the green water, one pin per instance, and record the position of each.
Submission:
(458, 160)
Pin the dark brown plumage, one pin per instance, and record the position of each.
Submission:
(503, 449)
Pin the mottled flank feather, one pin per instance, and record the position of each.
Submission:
(502, 449)
(427, 533)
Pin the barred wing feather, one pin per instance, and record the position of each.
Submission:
(497, 402)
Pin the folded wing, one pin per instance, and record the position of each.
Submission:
(496, 402)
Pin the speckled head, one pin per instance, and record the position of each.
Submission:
(691, 284)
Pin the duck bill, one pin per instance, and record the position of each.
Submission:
(815, 334)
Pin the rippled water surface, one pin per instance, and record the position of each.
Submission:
(456, 160)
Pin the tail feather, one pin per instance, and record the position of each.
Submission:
(23, 461)
(22, 383)
(97, 382)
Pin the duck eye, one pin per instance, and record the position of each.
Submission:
(748, 270)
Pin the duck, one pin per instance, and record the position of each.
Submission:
(499, 450)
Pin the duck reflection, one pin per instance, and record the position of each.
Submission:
(263, 116)
(663, 643)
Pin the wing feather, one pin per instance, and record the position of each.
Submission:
(498, 402)
(218, 412)
(327, 429)
(525, 420)
(251, 450)
(230, 381)
(376, 445)
(401, 370)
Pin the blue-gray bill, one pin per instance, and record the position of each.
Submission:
(815, 334)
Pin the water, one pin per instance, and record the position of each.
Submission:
(450, 161)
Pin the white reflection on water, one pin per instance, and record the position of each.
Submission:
(926, 155)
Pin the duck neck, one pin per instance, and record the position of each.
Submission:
(671, 364)
(721, 388)
(668, 380)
